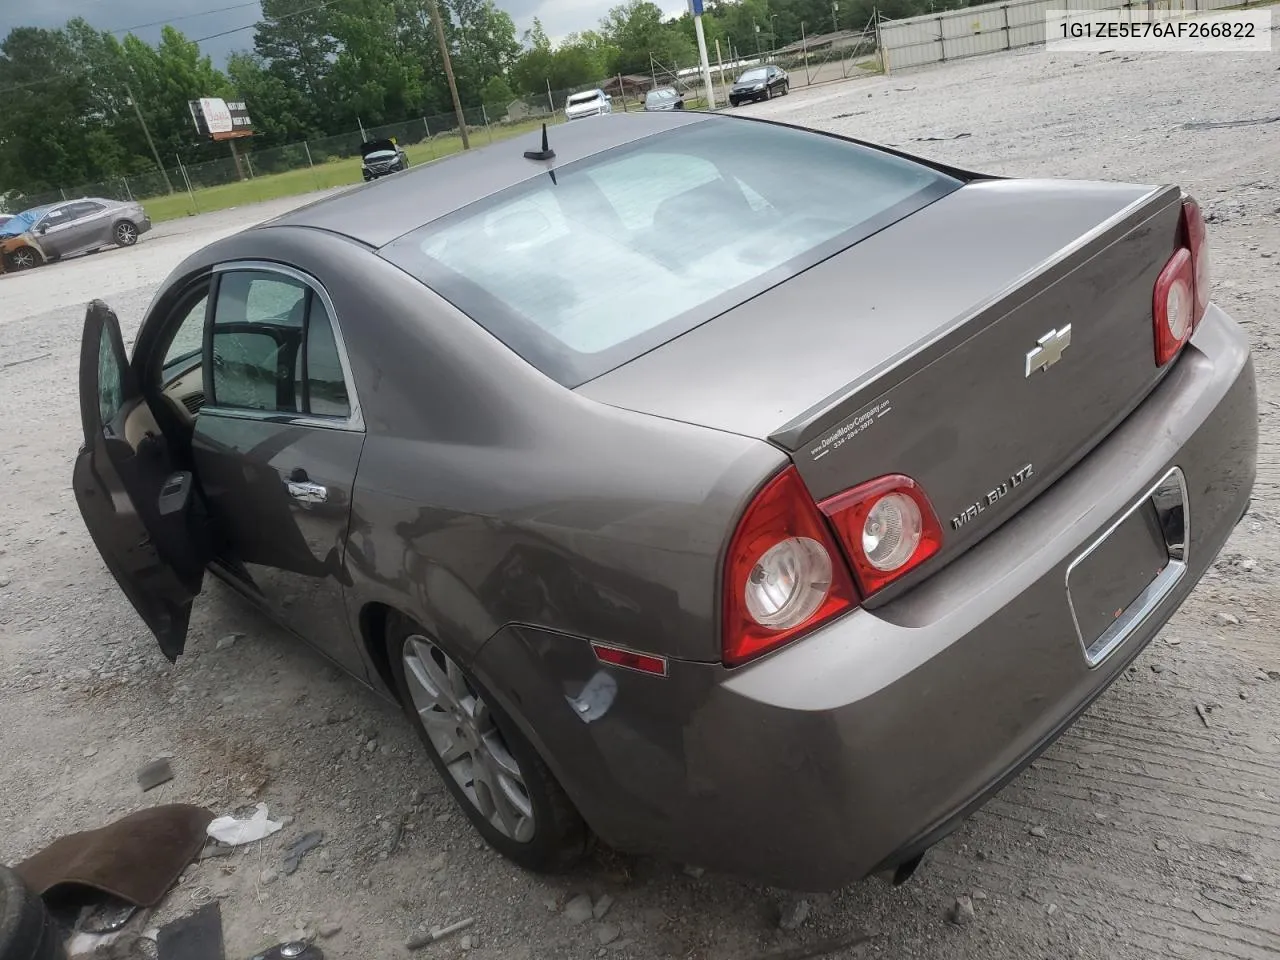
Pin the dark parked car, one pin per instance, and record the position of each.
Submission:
(75, 226)
(381, 157)
(780, 597)
(760, 83)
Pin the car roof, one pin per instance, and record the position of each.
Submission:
(382, 211)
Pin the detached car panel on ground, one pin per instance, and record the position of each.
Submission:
(785, 599)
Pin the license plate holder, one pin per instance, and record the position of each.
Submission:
(1115, 583)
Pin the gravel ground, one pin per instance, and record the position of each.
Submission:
(1145, 832)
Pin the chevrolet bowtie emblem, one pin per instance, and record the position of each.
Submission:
(1049, 350)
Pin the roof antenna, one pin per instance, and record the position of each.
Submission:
(546, 153)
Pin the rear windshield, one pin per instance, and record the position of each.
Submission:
(635, 246)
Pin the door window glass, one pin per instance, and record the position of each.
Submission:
(56, 217)
(110, 385)
(188, 340)
(326, 385)
(262, 357)
(257, 340)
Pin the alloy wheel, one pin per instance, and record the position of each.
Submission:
(23, 258)
(126, 234)
(462, 731)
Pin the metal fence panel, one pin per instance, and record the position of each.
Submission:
(992, 27)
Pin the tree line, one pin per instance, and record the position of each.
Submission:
(75, 98)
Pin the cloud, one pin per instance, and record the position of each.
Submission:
(189, 16)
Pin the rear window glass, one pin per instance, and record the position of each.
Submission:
(632, 247)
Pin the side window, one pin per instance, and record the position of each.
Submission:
(257, 341)
(326, 387)
(274, 348)
(110, 387)
(56, 217)
(83, 208)
(188, 340)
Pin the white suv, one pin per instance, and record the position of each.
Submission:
(588, 103)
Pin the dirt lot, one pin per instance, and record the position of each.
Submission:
(1145, 832)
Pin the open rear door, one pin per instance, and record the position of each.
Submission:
(145, 517)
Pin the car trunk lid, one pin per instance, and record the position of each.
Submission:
(981, 346)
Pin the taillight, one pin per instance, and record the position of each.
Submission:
(1182, 289)
(888, 528)
(783, 574)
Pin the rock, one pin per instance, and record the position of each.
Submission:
(1248, 563)
(606, 933)
(370, 731)
(962, 913)
(578, 910)
(1038, 831)
(979, 895)
(602, 907)
(90, 752)
(467, 942)
(436, 863)
(794, 913)
(328, 929)
(1205, 916)
(1161, 845)
(1053, 908)
(371, 746)
(228, 641)
(1157, 668)
(1228, 619)
(269, 875)
(1262, 676)
(1246, 878)
(1273, 674)
(415, 797)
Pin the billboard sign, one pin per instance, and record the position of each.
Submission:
(221, 119)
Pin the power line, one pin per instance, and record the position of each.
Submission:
(258, 23)
(185, 16)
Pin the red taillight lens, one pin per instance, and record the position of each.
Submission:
(783, 574)
(1182, 289)
(888, 528)
(1173, 306)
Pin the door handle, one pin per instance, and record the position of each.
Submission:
(305, 491)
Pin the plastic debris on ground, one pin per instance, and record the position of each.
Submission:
(235, 833)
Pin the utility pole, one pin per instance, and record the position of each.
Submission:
(696, 7)
(835, 27)
(147, 133)
(448, 72)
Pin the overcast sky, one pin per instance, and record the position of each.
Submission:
(559, 17)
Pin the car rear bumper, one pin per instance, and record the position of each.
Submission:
(853, 749)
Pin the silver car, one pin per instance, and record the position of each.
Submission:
(664, 98)
(87, 224)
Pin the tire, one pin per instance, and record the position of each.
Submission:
(543, 832)
(786, 88)
(768, 93)
(124, 233)
(27, 931)
(24, 258)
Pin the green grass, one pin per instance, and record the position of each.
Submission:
(323, 176)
